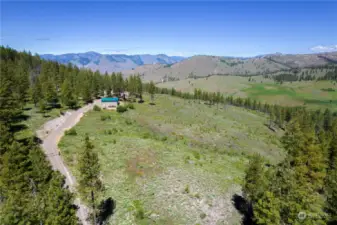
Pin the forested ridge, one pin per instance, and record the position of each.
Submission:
(31, 193)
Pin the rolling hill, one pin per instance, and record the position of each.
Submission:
(111, 62)
(202, 66)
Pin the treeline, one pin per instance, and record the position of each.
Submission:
(279, 115)
(302, 189)
(305, 75)
(30, 191)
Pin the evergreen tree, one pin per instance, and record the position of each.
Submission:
(49, 93)
(22, 76)
(14, 174)
(59, 208)
(266, 210)
(89, 168)
(255, 182)
(42, 106)
(139, 87)
(67, 94)
(152, 89)
(36, 92)
(10, 107)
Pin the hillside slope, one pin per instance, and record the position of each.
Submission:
(202, 66)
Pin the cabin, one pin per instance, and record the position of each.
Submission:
(109, 102)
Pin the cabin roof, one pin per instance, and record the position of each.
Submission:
(114, 99)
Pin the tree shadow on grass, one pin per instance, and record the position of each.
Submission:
(21, 117)
(244, 209)
(106, 210)
(27, 108)
(17, 127)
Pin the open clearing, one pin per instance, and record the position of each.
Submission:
(307, 93)
(178, 161)
(32, 120)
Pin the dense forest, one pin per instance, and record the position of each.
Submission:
(30, 191)
(302, 189)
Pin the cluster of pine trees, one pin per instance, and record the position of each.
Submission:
(309, 74)
(30, 191)
(302, 189)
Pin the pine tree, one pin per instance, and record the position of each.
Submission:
(36, 92)
(255, 182)
(10, 107)
(152, 89)
(267, 210)
(49, 93)
(67, 94)
(139, 87)
(42, 106)
(14, 173)
(22, 76)
(86, 92)
(89, 170)
(59, 207)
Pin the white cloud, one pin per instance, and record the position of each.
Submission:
(324, 48)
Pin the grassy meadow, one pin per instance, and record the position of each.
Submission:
(313, 94)
(32, 120)
(176, 162)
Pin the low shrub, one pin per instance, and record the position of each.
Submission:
(105, 117)
(130, 106)
(187, 189)
(121, 109)
(164, 138)
(71, 131)
(139, 211)
(196, 155)
(128, 122)
(146, 135)
(328, 89)
(202, 215)
(108, 132)
(97, 108)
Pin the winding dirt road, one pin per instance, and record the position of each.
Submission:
(51, 134)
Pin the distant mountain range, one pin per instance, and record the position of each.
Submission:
(203, 65)
(111, 62)
(165, 68)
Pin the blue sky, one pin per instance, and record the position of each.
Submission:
(174, 28)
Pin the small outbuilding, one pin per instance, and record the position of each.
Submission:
(109, 102)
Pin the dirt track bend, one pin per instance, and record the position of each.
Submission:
(51, 134)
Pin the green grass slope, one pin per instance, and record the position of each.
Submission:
(179, 162)
(313, 94)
